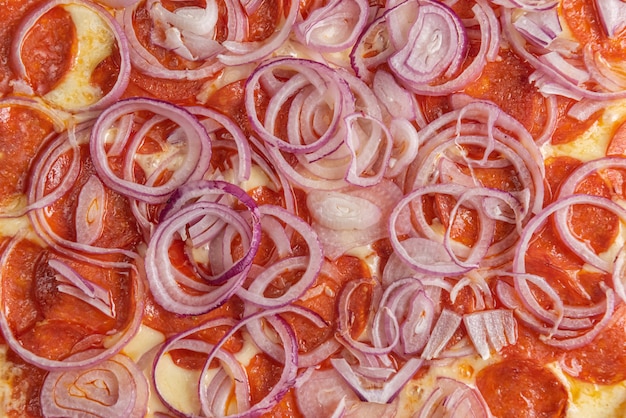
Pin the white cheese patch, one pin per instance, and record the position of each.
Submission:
(172, 155)
(593, 143)
(145, 340)
(95, 42)
(369, 257)
(590, 400)
(258, 178)
(178, 385)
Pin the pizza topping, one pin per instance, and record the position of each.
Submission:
(115, 386)
(182, 154)
(581, 67)
(74, 91)
(450, 397)
(522, 388)
(216, 391)
(56, 312)
(358, 212)
(196, 286)
(333, 27)
(609, 12)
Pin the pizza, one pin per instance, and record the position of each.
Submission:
(315, 208)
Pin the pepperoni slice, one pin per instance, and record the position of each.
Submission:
(604, 360)
(522, 388)
(22, 132)
(557, 170)
(324, 304)
(501, 77)
(617, 146)
(48, 49)
(568, 128)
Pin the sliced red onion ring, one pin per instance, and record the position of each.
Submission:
(405, 65)
(445, 327)
(342, 211)
(212, 120)
(311, 264)
(344, 330)
(115, 386)
(436, 254)
(40, 197)
(90, 211)
(372, 48)
(399, 103)
(454, 399)
(558, 67)
(491, 330)
(370, 144)
(582, 340)
(149, 64)
(539, 5)
(611, 14)
(334, 26)
(122, 337)
(238, 53)
(194, 155)
(412, 309)
(188, 31)
(389, 389)
(560, 210)
(165, 280)
(29, 22)
(539, 27)
(83, 289)
(619, 274)
(319, 100)
(435, 46)
(405, 147)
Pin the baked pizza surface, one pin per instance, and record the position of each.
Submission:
(313, 209)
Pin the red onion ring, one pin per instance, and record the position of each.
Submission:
(121, 338)
(197, 154)
(334, 26)
(389, 389)
(451, 397)
(114, 386)
(238, 53)
(187, 208)
(148, 64)
(40, 198)
(492, 329)
(312, 264)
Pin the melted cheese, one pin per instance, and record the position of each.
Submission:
(178, 386)
(592, 401)
(417, 391)
(95, 42)
(9, 375)
(592, 144)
